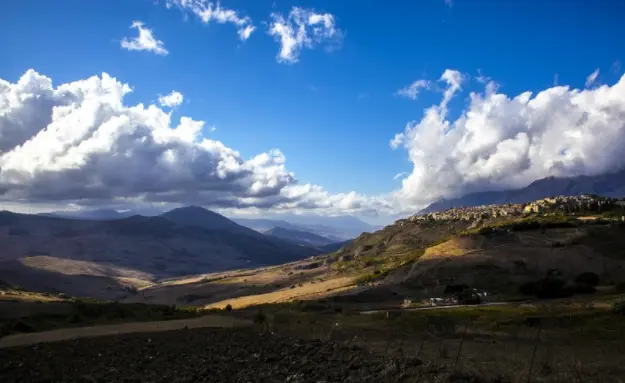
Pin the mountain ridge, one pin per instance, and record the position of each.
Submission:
(300, 237)
(607, 184)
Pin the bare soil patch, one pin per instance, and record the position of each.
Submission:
(209, 355)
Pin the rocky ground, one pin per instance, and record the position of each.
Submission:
(208, 355)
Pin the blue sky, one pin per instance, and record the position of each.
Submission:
(332, 113)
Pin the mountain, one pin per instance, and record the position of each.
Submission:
(103, 214)
(98, 214)
(299, 237)
(349, 225)
(337, 228)
(609, 185)
(106, 258)
(206, 219)
(262, 224)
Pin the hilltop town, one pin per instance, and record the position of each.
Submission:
(590, 204)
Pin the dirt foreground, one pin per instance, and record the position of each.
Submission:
(208, 355)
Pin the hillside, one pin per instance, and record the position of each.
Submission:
(112, 258)
(299, 237)
(497, 248)
(610, 185)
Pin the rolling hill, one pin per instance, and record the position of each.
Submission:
(106, 258)
(494, 248)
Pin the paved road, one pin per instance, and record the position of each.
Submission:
(435, 307)
(122, 328)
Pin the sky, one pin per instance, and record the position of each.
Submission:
(369, 108)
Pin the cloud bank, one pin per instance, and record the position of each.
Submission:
(502, 142)
(302, 28)
(78, 143)
(145, 41)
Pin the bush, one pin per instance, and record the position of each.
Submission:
(547, 288)
(588, 279)
(618, 307)
(529, 288)
(260, 317)
(228, 307)
(454, 289)
(582, 288)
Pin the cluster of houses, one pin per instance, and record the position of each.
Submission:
(469, 296)
(472, 213)
(570, 204)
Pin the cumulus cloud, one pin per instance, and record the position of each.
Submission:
(145, 41)
(592, 78)
(412, 90)
(171, 100)
(208, 11)
(502, 142)
(302, 28)
(78, 143)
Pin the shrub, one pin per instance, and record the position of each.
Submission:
(260, 317)
(587, 278)
(228, 307)
(454, 289)
(582, 288)
(547, 288)
(528, 288)
(618, 307)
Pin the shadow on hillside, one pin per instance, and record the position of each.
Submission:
(31, 279)
(212, 291)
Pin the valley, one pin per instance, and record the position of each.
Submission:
(540, 283)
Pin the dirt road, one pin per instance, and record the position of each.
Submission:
(122, 328)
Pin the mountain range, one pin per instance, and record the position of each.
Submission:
(334, 228)
(103, 258)
(609, 185)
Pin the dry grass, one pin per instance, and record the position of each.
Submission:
(297, 292)
(24, 296)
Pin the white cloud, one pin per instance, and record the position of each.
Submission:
(303, 28)
(399, 175)
(592, 78)
(454, 80)
(78, 144)
(208, 11)
(412, 90)
(145, 41)
(171, 100)
(502, 142)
